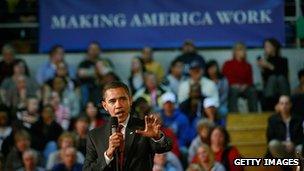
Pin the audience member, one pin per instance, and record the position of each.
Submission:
(189, 54)
(175, 76)
(28, 116)
(95, 119)
(14, 158)
(8, 61)
(213, 73)
(208, 87)
(205, 158)
(224, 153)
(299, 90)
(16, 97)
(65, 141)
(62, 113)
(204, 127)
(151, 92)
(239, 74)
(285, 128)
(198, 106)
(274, 69)
(68, 97)
(151, 65)
(5, 128)
(174, 119)
(10, 82)
(141, 107)
(136, 79)
(81, 129)
(166, 161)
(62, 71)
(46, 131)
(69, 161)
(47, 70)
(30, 161)
(86, 71)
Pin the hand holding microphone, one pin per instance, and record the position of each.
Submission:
(115, 139)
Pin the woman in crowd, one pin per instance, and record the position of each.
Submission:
(19, 69)
(205, 158)
(68, 97)
(213, 73)
(224, 153)
(95, 119)
(274, 69)
(136, 79)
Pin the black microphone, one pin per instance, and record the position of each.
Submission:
(114, 124)
(114, 127)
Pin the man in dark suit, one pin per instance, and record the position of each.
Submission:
(140, 139)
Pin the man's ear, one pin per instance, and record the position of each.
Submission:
(104, 104)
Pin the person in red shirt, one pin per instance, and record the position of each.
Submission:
(224, 153)
(239, 74)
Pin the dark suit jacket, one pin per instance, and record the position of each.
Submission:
(139, 150)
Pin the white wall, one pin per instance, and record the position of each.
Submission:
(122, 60)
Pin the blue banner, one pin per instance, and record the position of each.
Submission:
(132, 24)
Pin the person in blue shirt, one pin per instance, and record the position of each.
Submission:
(69, 161)
(47, 70)
(174, 119)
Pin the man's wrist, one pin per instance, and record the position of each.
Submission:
(109, 154)
(158, 136)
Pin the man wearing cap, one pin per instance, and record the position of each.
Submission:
(208, 87)
(188, 55)
(174, 119)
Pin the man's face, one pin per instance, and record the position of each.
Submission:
(93, 51)
(8, 56)
(29, 161)
(69, 157)
(147, 54)
(58, 55)
(32, 105)
(168, 108)
(196, 73)
(117, 102)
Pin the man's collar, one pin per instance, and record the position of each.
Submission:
(126, 121)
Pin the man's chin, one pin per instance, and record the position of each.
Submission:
(122, 118)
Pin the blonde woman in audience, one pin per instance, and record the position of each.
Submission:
(205, 158)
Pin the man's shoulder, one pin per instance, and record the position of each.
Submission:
(98, 130)
(136, 123)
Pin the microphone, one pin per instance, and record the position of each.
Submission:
(114, 127)
(114, 124)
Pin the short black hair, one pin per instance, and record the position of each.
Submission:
(301, 73)
(112, 85)
(54, 48)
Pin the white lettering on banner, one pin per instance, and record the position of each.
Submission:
(244, 17)
(164, 19)
(88, 21)
(160, 19)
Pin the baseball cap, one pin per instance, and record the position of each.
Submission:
(167, 97)
(194, 64)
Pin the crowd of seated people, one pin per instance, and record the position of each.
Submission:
(44, 119)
